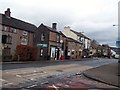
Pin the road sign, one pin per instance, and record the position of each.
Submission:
(118, 43)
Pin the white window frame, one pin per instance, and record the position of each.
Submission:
(42, 37)
(25, 33)
(14, 30)
(24, 41)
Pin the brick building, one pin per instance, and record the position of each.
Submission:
(14, 32)
(49, 42)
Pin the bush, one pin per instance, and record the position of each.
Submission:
(25, 53)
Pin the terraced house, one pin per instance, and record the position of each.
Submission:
(49, 42)
(81, 38)
(14, 32)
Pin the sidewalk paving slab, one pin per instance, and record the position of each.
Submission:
(108, 74)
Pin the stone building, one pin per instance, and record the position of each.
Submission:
(14, 32)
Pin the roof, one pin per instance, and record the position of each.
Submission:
(16, 23)
(50, 29)
(72, 40)
(62, 34)
(80, 34)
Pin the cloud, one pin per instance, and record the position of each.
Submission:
(93, 17)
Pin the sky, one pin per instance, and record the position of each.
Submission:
(93, 17)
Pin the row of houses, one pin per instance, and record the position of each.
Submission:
(51, 43)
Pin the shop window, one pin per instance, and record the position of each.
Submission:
(72, 53)
(69, 53)
(41, 52)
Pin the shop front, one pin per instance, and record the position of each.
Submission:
(55, 52)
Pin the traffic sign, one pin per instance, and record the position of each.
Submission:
(118, 43)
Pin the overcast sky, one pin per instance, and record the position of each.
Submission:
(93, 17)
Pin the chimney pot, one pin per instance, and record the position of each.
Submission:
(7, 13)
(54, 26)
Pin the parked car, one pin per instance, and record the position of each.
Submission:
(117, 56)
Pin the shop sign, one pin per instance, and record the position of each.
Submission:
(42, 45)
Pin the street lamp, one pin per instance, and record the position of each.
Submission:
(118, 42)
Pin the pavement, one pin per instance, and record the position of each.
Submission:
(108, 74)
(46, 61)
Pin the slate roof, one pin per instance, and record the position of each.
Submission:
(72, 40)
(80, 34)
(51, 29)
(16, 23)
(62, 34)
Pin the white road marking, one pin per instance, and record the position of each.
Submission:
(18, 76)
(56, 88)
(31, 86)
(35, 71)
(8, 84)
(2, 79)
(31, 79)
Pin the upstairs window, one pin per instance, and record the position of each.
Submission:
(9, 39)
(25, 33)
(5, 28)
(58, 38)
(42, 37)
(13, 30)
(4, 39)
(24, 41)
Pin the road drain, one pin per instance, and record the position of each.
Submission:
(59, 70)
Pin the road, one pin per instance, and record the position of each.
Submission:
(35, 74)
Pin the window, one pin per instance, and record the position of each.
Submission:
(5, 28)
(25, 33)
(9, 39)
(58, 38)
(72, 53)
(24, 41)
(79, 53)
(41, 52)
(7, 51)
(13, 30)
(42, 37)
(6, 39)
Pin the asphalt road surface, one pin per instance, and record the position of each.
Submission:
(50, 74)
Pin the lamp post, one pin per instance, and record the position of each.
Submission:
(118, 42)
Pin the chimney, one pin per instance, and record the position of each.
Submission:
(54, 26)
(7, 13)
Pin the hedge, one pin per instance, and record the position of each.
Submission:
(26, 53)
